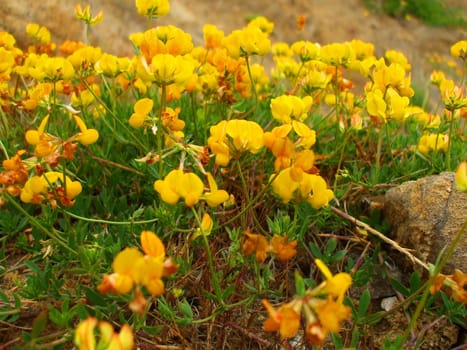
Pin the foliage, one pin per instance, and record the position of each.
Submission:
(432, 12)
(189, 196)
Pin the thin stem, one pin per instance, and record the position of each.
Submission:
(215, 281)
(378, 234)
(451, 128)
(160, 132)
(108, 222)
(52, 233)
(111, 112)
(252, 82)
(430, 282)
(252, 201)
(379, 147)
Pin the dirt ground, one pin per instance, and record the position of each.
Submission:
(327, 21)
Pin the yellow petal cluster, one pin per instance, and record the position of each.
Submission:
(234, 136)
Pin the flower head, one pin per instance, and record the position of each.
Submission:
(85, 338)
(286, 108)
(461, 177)
(286, 319)
(234, 136)
(153, 8)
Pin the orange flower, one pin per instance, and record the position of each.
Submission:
(316, 333)
(282, 248)
(286, 319)
(256, 243)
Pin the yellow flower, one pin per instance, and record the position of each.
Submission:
(51, 69)
(37, 187)
(86, 16)
(141, 110)
(162, 40)
(433, 142)
(303, 162)
(286, 108)
(375, 104)
(84, 59)
(165, 69)
(337, 54)
(86, 136)
(331, 313)
(215, 196)
(393, 75)
(212, 36)
(153, 8)
(307, 135)
(362, 50)
(246, 42)
(284, 186)
(398, 105)
(305, 50)
(394, 56)
(178, 184)
(459, 49)
(280, 145)
(132, 268)
(206, 226)
(335, 285)
(111, 65)
(461, 177)
(262, 23)
(244, 136)
(83, 98)
(40, 33)
(84, 335)
(314, 190)
(85, 338)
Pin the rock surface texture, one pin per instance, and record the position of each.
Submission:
(426, 214)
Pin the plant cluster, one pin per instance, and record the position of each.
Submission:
(187, 194)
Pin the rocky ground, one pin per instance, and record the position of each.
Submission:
(327, 21)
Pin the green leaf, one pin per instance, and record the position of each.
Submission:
(364, 303)
(94, 297)
(415, 282)
(338, 256)
(39, 324)
(315, 250)
(299, 284)
(56, 317)
(185, 308)
(228, 291)
(165, 310)
(331, 246)
(400, 287)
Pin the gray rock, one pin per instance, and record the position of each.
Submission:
(425, 215)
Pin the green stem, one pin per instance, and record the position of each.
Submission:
(252, 82)
(436, 272)
(108, 222)
(52, 233)
(111, 112)
(160, 132)
(215, 281)
(451, 128)
(379, 147)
